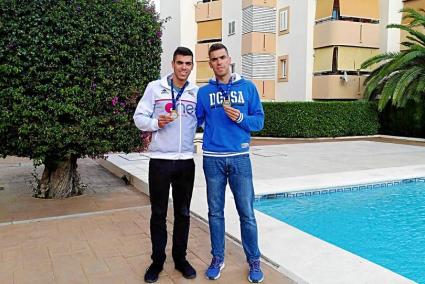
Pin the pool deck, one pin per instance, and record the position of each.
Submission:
(100, 237)
(298, 167)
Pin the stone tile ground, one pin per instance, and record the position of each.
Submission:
(105, 191)
(109, 245)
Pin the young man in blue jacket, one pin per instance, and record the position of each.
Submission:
(168, 110)
(230, 108)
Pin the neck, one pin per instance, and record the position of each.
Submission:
(225, 78)
(177, 82)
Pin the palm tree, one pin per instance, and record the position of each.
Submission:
(400, 76)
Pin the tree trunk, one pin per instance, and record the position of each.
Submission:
(60, 179)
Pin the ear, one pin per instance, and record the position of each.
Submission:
(209, 62)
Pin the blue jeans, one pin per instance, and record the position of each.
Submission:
(238, 172)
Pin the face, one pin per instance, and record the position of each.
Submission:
(220, 62)
(182, 66)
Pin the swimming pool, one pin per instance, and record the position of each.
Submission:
(384, 223)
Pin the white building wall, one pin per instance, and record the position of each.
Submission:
(232, 11)
(298, 45)
(179, 30)
(171, 32)
(390, 38)
(311, 13)
(188, 29)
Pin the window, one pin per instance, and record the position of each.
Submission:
(282, 72)
(232, 28)
(284, 21)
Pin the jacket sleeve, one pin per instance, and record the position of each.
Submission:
(200, 111)
(254, 119)
(144, 111)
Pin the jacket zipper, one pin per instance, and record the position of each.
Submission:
(180, 130)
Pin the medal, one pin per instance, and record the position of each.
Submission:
(227, 103)
(225, 92)
(174, 114)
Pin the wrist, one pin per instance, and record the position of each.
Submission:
(240, 118)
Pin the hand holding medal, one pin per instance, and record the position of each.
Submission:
(174, 114)
(225, 93)
(163, 120)
(231, 112)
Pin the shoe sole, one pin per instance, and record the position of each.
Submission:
(190, 276)
(219, 273)
(186, 276)
(259, 281)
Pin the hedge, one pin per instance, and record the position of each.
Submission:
(319, 119)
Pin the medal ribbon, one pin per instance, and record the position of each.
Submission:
(226, 92)
(179, 94)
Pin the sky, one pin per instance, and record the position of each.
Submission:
(156, 4)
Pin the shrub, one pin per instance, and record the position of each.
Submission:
(319, 119)
(408, 121)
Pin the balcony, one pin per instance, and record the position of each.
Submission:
(203, 72)
(258, 43)
(266, 89)
(201, 51)
(208, 11)
(331, 87)
(346, 33)
(347, 9)
(342, 58)
(258, 3)
(209, 30)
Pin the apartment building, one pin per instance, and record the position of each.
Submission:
(414, 4)
(346, 33)
(292, 50)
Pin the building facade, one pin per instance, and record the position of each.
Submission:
(292, 50)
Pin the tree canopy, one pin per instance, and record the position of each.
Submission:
(71, 73)
(400, 76)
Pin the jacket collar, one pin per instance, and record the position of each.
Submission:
(164, 83)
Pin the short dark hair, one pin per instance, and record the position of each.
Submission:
(181, 50)
(217, 46)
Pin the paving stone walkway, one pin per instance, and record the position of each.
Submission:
(99, 237)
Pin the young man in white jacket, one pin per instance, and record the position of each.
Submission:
(168, 110)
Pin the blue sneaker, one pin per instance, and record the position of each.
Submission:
(213, 272)
(255, 274)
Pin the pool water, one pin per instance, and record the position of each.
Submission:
(385, 225)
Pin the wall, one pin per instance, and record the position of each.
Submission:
(298, 45)
(180, 30)
(232, 11)
(389, 14)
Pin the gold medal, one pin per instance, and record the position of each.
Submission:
(174, 114)
(226, 102)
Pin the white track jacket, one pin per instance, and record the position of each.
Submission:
(175, 140)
